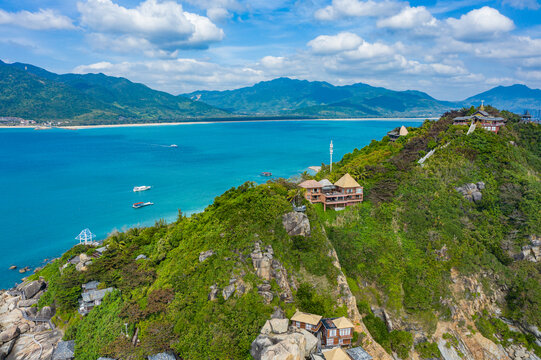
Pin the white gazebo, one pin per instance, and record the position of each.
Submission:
(86, 237)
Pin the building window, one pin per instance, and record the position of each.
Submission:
(330, 341)
(332, 333)
(344, 332)
(308, 327)
(298, 324)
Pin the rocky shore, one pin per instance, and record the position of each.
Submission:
(25, 332)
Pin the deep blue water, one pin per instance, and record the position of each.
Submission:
(54, 183)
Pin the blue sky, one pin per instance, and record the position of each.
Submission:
(450, 49)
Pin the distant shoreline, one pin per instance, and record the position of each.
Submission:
(82, 127)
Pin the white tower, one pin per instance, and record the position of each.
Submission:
(331, 151)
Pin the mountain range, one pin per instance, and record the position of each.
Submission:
(31, 92)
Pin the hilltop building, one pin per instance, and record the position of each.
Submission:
(345, 192)
(336, 331)
(306, 321)
(526, 117)
(398, 132)
(481, 118)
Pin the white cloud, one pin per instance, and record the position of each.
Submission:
(356, 8)
(480, 24)
(522, 4)
(44, 19)
(409, 18)
(164, 24)
(178, 75)
(218, 14)
(331, 44)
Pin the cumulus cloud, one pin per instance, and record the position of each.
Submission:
(44, 19)
(522, 4)
(409, 18)
(178, 75)
(480, 24)
(218, 14)
(331, 44)
(164, 24)
(356, 8)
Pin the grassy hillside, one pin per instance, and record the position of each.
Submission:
(400, 250)
(166, 297)
(394, 241)
(34, 93)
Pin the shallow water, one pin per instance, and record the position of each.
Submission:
(55, 183)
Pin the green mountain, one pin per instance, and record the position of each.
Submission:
(515, 98)
(34, 93)
(434, 259)
(286, 96)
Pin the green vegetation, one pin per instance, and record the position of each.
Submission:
(32, 93)
(401, 245)
(428, 350)
(166, 297)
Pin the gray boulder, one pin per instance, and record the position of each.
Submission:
(46, 312)
(279, 326)
(311, 342)
(213, 294)
(481, 185)
(141, 257)
(32, 288)
(477, 196)
(296, 224)
(9, 334)
(65, 350)
(228, 291)
(168, 355)
(6, 348)
(27, 303)
(278, 313)
(205, 255)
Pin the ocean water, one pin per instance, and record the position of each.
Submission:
(54, 183)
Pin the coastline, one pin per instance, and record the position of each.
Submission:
(83, 127)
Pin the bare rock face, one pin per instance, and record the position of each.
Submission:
(279, 347)
(311, 342)
(9, 334)
(279, 326)
(32, 288)
(267, 268)
(205, 255)
(25, 348)
(296, 224)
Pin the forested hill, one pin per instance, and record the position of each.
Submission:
(433, 272)
(33, 93)
(286, 96)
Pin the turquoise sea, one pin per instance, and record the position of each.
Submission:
(54, 183)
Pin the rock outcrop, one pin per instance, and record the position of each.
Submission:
(531, 252)
(296, 223)
(267, 268)
(279, 342)
(472, 192)
(205, 255)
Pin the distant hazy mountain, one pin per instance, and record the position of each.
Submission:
(515, 98)
(314, 98)
(31, 92)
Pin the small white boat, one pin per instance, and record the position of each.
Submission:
(141, 188)
(174, 145)
(141, 204)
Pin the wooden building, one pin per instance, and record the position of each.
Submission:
(336, 332)
(306, 321)
(345, 192)
(483, 119)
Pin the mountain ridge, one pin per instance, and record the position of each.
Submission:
(34, 93)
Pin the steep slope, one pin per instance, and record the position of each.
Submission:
(90, 98)
(515, 98)
(447, 266)
(320, 99)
